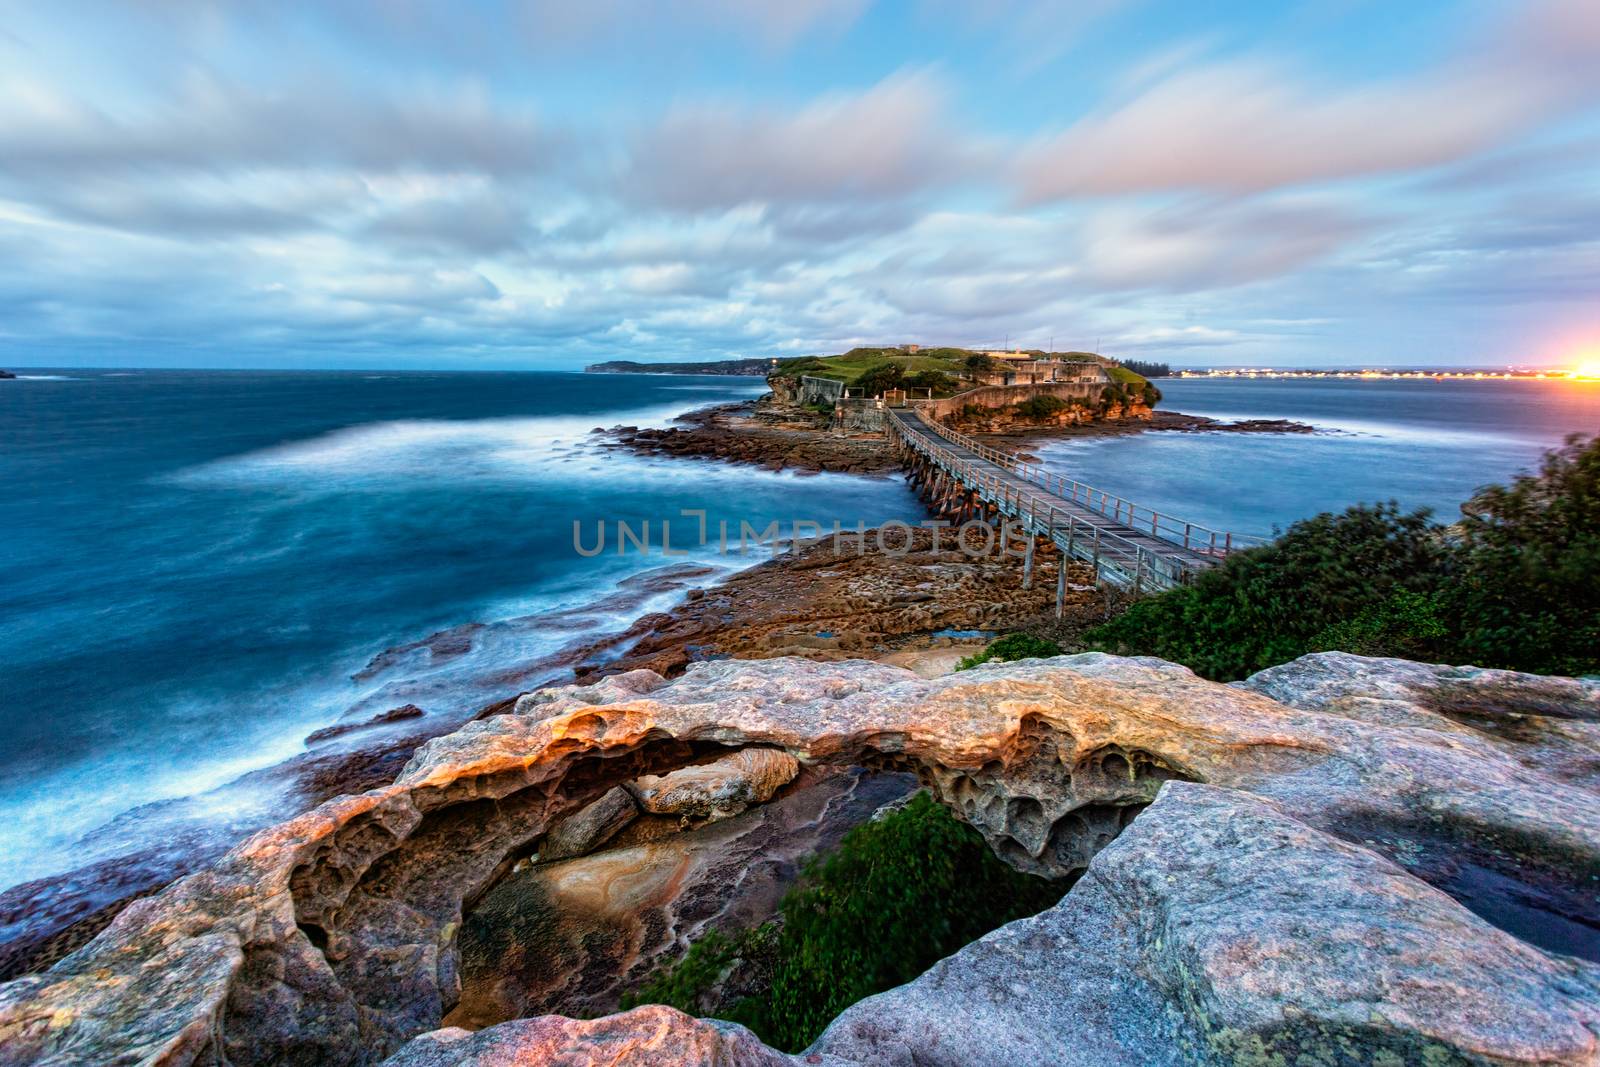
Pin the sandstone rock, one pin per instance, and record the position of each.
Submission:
(720, 789)
(572, 936)
(651, 1036)
(1400, 869)
(587, 830)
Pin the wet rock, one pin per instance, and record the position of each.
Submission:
(867, 601)
(719, 789)
(773, 436)
(328, 733)
(582, 833)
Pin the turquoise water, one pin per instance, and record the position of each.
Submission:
(196, 563)
(1421, 442)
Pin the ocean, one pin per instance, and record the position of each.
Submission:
(1420, 442)
(201, 568)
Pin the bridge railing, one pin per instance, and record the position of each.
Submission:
(1190, 535)
(1129, 562)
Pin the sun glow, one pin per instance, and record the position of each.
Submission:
(1588, 369)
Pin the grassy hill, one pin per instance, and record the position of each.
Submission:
(856, 362)
(851, 365)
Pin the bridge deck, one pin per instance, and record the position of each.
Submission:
(1129, 546)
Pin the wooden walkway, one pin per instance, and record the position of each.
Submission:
(1129, 546)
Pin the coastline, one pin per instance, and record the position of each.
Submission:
(924, 610)
(867, 606)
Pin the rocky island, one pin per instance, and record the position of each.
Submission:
(6, 374)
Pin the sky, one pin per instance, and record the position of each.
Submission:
(545, 184)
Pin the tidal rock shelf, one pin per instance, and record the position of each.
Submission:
(1308, 867)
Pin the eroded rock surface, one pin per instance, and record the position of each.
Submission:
(720, 789)
(1300, 901)
(572, 936)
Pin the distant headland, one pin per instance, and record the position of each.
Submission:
(746, 367)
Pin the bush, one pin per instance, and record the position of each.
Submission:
(1268, 605)
(897, 896)
(937, 380)
(1409, 625)
(1041, 407)
(1528, 597)
(1515, 585)
(978, 364)
(1012, 647)
(880, 379)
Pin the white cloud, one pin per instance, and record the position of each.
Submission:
(1248, 126)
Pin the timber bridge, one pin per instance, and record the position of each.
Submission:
(1129, 546)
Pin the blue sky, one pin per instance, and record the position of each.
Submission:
(540, 184)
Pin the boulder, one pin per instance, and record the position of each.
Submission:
(719, 789)
(1218, 929)
(1362, 860)
(587, 830)
(650, 1036)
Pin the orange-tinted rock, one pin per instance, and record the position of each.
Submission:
(719, 789)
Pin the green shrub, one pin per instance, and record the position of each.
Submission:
(1528, 596)
(1041, 407)
(978, 364)
(937, 380)
(1012, 647)
(1267, 605)
(1515, 584)
(1408, 625)
(897, 896)
(880, 379)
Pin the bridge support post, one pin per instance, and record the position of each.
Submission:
(1027, 563)
(1061, 586)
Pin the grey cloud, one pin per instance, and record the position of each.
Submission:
(885, 143)
(483, 223)
(437, 288)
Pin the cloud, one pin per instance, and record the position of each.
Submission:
(1178, 337)
(481, 221)
(1205, 245)
(771, 24)
(885, 143)
(208, 125)
(1246, 126)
